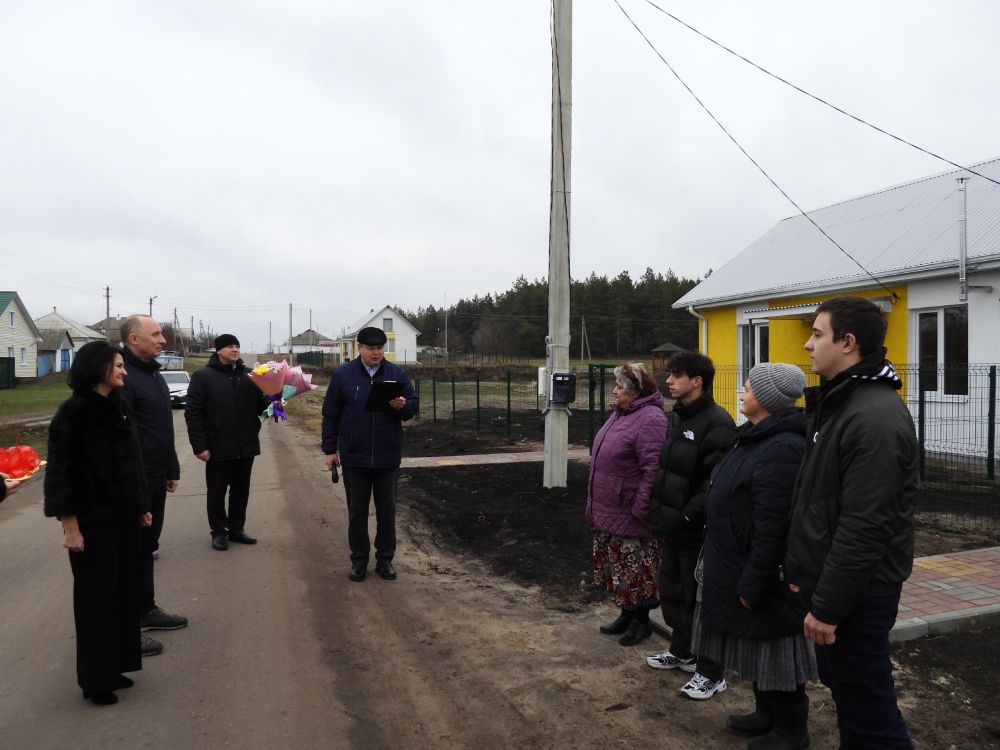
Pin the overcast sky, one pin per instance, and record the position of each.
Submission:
(233, 156)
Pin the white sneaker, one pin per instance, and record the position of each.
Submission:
(666, 660)
(700, 688)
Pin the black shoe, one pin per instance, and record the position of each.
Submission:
(359, 571)
(384, 568)
(791, 728)
(619, 626)
(241, 536)
(122, 682)
(149, 646)
(106, 698)
(636, 633)
(220, 542)
(761, 721)
(157, 619)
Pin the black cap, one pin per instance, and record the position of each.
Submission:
(226, 339)
(371, 336)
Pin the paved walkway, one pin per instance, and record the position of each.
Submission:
(945, 594)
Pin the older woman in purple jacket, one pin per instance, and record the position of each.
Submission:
(624, 460)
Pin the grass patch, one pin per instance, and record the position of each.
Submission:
(34, 398)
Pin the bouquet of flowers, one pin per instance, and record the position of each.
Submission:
(19, 462)
(279, 382)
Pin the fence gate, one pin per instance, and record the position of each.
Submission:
(597, 411)
(6, 372)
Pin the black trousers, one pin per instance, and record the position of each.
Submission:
(857, 669)
(233, 475)
(678, 595)
(361, 484)
(106, 604)
(150, 538)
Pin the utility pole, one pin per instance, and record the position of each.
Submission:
(557, 342)
(107, 312)
(447, 354)
(270, 339)
(178, 332)
(289, 329)
(151, 304)
(312, 338)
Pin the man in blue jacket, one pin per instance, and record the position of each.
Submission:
(368, 445)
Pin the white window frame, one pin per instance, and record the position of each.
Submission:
(387, 324)
(390, 346)
(11, 318)
(938, 394)
(24, 355)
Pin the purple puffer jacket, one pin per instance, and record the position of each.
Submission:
(623, 463)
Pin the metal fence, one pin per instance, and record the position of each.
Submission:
(7, 379)
(954, 412)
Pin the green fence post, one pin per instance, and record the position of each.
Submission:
(477, 400)
(591, 386)
(991, 427)
(434, 398)
(921, 405)
(453, 399)
(508, 404)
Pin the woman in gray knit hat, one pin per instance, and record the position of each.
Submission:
(746, 618)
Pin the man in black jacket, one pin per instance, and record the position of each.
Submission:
(223, 423)
(699, 432)
(147, 394)
(850, 542)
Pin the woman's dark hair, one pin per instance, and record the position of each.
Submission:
(694, 365)
(91, 365)
(858, 316)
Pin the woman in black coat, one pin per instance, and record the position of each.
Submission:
(746, 618)
(94, 484)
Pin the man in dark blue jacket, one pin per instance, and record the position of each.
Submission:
(368, 445)
(147, 394)
(223, 423)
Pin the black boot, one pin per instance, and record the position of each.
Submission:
(790, 732)
(636, 633)
(759, 722)
(620, 625)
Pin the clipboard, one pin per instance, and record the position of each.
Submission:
(382, 392)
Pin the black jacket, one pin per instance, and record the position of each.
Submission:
(746, 521)
(148, 397)
(94, 469)
(223, 411)
(698, 436)
(851, 532)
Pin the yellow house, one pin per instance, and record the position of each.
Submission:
(927, 252)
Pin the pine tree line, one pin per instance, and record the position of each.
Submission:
(622, 317)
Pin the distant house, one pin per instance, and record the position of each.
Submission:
(401, 343)
(78, 334)
(54, 352)
(662, 353)
(110, 328)
(19, 337)
(314, 341)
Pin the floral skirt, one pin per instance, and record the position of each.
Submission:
(627, 568)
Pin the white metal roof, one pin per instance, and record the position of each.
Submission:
(897, 232)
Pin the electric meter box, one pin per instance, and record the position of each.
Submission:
(563, 388)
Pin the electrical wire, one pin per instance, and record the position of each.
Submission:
(747, 153)
(832, 106)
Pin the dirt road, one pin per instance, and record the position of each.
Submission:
(284, 651)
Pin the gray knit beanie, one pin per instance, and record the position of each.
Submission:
(776, 386)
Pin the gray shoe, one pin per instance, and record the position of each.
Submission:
(149, 646)
(157, 619)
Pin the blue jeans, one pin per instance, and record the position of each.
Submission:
(857, 670)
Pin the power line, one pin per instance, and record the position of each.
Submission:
(832, 106)
(747, 153)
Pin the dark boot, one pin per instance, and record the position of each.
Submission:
(620, 624)
(790, 732)
(759, 722)
(636, 633)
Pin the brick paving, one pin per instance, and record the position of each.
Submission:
(945, 593)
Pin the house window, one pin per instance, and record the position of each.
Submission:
(386, 324)
(390, 346)
(754, 347)
(24, 356)
(943, 350)
(11, 319)
(10, 352)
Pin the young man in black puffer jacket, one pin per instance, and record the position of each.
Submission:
(699, 433)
